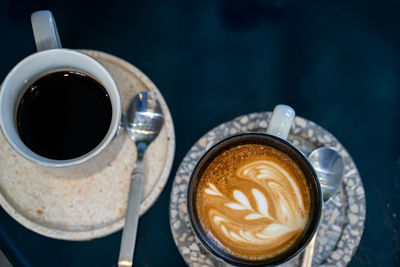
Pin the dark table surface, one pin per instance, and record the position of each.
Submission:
(336, 63)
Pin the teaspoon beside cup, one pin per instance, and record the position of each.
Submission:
(329, 166)
(144, 122)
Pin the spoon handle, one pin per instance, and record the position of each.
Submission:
(131, 217)
(309, 253)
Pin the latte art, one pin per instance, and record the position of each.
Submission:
(253, 201)
(288, 208)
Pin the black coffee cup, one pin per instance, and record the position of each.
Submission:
(279, 125)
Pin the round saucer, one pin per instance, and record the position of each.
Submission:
(343, 218)
(76, 207)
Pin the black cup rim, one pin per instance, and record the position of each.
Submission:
(282, 145)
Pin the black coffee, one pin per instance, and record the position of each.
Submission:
(64, 115)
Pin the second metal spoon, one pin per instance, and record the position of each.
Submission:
(329, 166)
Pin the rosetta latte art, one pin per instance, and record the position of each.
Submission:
(253, 201)
(283, 208)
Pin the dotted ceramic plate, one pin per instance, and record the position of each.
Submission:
(90, 202)
(343, 220)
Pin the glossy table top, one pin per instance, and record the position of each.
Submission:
(337, 64)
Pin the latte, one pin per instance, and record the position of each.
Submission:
(253, 201)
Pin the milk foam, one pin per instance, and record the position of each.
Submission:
(253, 201)
(280, 204)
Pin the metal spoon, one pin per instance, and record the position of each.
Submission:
(329, 166)
(143, 123)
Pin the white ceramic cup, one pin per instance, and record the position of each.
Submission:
(51, 58)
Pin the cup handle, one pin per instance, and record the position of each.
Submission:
(281, 121)
(45, 30)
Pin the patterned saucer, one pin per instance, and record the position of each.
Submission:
(343, 219)
(91, 202)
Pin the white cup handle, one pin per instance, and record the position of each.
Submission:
(45, 30)
(281, 121)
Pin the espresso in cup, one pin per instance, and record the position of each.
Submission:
(64, 115)
(253, 201)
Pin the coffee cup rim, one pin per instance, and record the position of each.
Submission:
(115, 119)
(194, 220)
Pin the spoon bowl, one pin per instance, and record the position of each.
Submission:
(329, 166)
(144, 118)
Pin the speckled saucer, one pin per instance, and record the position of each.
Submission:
(343, 219)
(89, 202)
